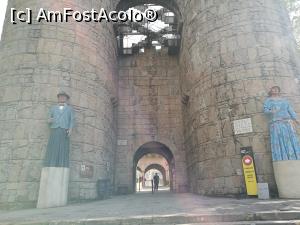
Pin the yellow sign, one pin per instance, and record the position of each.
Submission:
(250, 175)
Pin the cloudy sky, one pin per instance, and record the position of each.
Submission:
(3, 5)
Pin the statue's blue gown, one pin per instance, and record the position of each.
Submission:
(284, 140)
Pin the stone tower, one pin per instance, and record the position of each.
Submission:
(37, 61)
(231, 53)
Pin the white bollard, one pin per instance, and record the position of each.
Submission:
(53, 187)
(287, 176)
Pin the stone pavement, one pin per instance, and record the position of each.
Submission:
(161, 207)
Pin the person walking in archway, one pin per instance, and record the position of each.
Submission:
(156, 182)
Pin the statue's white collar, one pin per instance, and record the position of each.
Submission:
(61, 107)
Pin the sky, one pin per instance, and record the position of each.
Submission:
(3, 4)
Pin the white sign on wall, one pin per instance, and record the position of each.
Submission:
(122, 142)
(243, 126)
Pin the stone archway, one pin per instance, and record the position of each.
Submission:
(158, 167)
(154, 148)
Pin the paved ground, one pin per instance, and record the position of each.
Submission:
(148, 205)
(149, 189)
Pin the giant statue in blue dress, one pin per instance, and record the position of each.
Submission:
(283, 119)
(285, 144)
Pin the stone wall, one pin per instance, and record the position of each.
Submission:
(232, 53)
(36, 62)
(149, 110)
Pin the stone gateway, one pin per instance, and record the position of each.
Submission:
(180, 103)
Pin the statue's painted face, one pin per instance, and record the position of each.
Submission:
(62, 99)
(275, 91)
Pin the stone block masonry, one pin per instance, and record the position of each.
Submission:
(149, 110)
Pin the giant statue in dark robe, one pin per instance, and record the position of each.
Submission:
(61, 119)
(55, 174)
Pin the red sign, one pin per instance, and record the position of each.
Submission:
(247, 160)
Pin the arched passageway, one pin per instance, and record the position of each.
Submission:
(159, 168)
(159, 149)
(149, 92)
